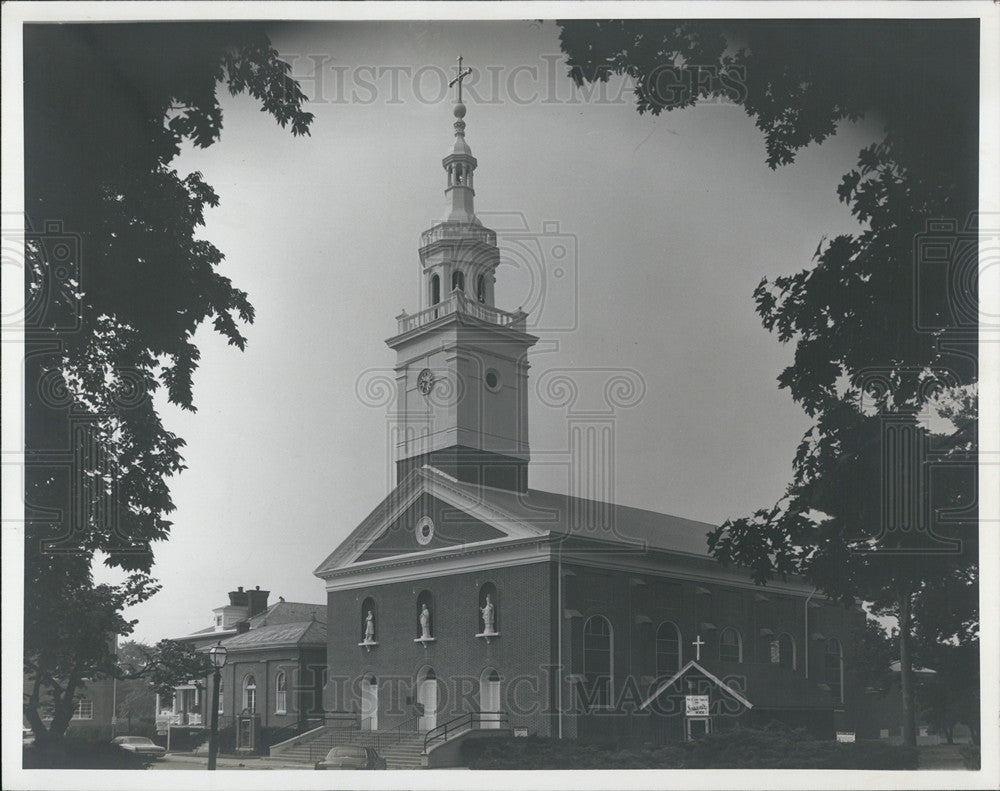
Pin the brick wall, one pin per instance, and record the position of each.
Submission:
(265, 668)
(636, 604)
(526, 653)
(520, 655)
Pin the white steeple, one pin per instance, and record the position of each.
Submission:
(462, 365)
(460, 166)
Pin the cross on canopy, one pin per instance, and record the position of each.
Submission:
(698, 643)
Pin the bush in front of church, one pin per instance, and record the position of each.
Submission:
(742, 748)
(75, 753)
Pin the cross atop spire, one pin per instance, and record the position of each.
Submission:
(458, 79)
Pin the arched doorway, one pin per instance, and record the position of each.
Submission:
(427, 698)
(369, 703)
(489, 698)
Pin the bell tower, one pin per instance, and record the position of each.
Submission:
(461, 362)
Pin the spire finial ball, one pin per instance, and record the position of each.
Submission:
(459, 110)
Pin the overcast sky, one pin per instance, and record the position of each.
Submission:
(669, 223)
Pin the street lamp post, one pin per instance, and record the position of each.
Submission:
(218, 656)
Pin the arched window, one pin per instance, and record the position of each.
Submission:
(435, 289)
(425, 615)
(369, 621)
(598, 663)
(730, 645)
(280, 693)
(250, 694)
(489, 610)
(833, 666)
(458, 280)
(668, 649)
(481, 288)
(786, 651)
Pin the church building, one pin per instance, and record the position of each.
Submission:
(469, 601)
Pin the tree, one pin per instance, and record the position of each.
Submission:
(165, 665)
(876, 345)
(868, 663)
(145, 671)
(135, 699)
(946, 639)
(117, 282)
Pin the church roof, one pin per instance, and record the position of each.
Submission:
(583, 518)
(531, 515)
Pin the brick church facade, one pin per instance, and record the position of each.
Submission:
(467, 597)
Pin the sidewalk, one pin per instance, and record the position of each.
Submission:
(941, 756)
(192, 762)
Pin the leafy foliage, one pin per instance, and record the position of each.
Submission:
(863, 370)
(74, 753)
(167, 665)
(117, 283)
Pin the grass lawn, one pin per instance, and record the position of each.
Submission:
(744, 748)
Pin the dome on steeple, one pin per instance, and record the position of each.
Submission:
(460, 147)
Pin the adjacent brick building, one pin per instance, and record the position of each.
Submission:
(274, 671)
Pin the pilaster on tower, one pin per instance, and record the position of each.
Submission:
(462, 363)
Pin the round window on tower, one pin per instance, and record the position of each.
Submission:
(492, 380)
(425, 531)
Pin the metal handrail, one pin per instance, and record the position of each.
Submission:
(293, 730)
(471, 721)
(362, 738)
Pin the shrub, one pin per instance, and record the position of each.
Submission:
(743, 748)
(970, 755)
(73, 753)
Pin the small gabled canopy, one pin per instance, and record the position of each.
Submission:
(692, 664)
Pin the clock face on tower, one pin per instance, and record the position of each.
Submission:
(425, 381)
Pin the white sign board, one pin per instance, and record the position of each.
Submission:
(696, 705)
(845, 736)
(520, 732)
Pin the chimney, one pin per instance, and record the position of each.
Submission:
(238, 597)
(242, 627)
(258, 601)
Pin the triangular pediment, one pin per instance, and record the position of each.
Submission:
(428, 523)
(460, 515)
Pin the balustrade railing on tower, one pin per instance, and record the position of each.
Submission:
(458, 302)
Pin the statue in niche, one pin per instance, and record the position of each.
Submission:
(370, 628)
(425, 623)
(488, 612)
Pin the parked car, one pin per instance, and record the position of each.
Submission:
(350, 757)
(139, 745)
